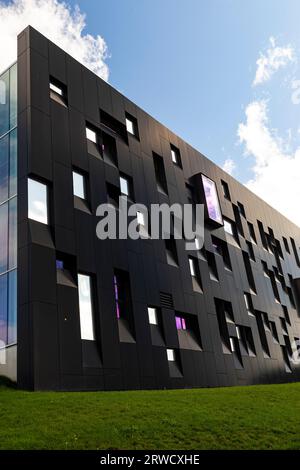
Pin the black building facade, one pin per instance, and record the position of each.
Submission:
(134, 314)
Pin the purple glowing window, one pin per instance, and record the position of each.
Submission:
(180, 323)
(59, 264)
(212, 200)
(116, 288)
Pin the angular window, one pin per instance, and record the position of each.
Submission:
(3, 236)
(228, 227)
(159, 168)
(171, 355)
(180, 323)
(286, 245)
(4, 168)
(37, 201)
(225, 190)
(252, 233)
(58, 91)
(221, 248)
(152, 315)
(124, 186)
(195, 273)
(212, 266)
(213, 208)
(123, 303)
(175, 155)
(109, 149)
(248, 303)
(91, 135)
(132, 125)
(85, 307)
(171, 252)
(249, 272)
(241, 209)
(79, 185)
(250, 250)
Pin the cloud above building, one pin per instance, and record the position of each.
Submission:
(273, 59)
(57, 21)
(276, 172)
(229, 166)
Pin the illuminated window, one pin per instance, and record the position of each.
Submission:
(180, 323)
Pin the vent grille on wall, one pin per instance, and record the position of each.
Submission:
(166, 300)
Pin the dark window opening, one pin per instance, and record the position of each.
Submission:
(160, 174)
(171, 252)
(195, 273)
(66, 269)
(262, 334)
(249, 272)
(113, 194)
(263, 236)
(250, 250)
(114, 127)
(212, 266)
(123, 305)
(226, 191)
(238, 220)
(295, 250)
(109, 149)
(252, 233)
(241, 209)
(286, 245)
(221, 248)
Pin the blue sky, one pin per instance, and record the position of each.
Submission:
(191, 64)
(219, 73)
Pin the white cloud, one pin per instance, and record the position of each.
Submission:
(229, 166)
(275, 58)
(276, 172)
(61, 24)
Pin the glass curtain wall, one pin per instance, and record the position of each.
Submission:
(8, 207)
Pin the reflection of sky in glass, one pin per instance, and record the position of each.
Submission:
(212, 201)
(2, 92)
(8, 209)
(37, 201)
(85, 307)
(78, 185)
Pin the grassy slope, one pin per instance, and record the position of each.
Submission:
(257, 417)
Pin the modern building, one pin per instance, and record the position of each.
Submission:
(90, 314)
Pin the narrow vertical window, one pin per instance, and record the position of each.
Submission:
(79, 185)
(152, 314)
(37, 201)
(85, 307)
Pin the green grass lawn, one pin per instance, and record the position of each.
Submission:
(256, 417)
